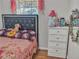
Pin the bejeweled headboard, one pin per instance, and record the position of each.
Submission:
(29, 22)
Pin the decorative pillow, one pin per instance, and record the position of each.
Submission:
(18, 35)
(5, 32)
(32, 33)
(24, 31)
(24, 34)
(33, 38)
(27, 34)
(2, 31)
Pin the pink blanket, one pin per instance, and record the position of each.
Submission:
(17, 48)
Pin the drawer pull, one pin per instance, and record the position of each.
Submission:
(56, 50)
(57, 38)
(57, 44)
(58, 31)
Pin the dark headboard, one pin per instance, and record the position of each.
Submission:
(29, 22)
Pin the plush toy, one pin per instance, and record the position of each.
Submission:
(13, 31)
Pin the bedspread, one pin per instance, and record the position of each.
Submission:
(16, 49)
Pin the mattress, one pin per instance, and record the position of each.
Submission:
(17, 48)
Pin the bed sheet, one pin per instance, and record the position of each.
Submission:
(17, 48)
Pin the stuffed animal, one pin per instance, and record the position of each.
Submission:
(13, 31)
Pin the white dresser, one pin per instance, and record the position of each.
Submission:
(57, 41)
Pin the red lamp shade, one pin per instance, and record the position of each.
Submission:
(40, 5)
(13, 6)
(52, 13)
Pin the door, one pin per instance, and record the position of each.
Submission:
(73, 52)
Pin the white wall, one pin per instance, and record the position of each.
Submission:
(5, 6)
(74, 4)
(0, 13)
(4, 9)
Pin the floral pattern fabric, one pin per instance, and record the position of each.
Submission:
(17, 49)
(23, 34)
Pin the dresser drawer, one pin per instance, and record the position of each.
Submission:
(57, 53)
(58, 31)
(63, 38)
(57, 45)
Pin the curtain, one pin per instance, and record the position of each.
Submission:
(40, 5)
(13, 6)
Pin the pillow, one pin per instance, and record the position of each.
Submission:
(5, 32)
(2, 31)
(18, 35)
(27, 34)
(24, 31)
(32, 38)
(23, 34)
(9, 33)
(32, 33)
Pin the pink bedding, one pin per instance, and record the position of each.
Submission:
(17, 48)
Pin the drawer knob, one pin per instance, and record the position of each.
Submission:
(57, 38)
(56, 50)
(58, 31)
(57, 44)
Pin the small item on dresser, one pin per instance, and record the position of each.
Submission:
(56, 20)
(51, 22)
(62, 21)
(53, 19)
(75, 22)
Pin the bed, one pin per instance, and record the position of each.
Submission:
(14, 48)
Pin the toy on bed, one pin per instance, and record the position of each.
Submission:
(13, 31)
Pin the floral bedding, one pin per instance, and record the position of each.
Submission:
(17, 49)
(22, 34)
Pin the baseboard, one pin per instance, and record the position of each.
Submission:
(43, 48)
